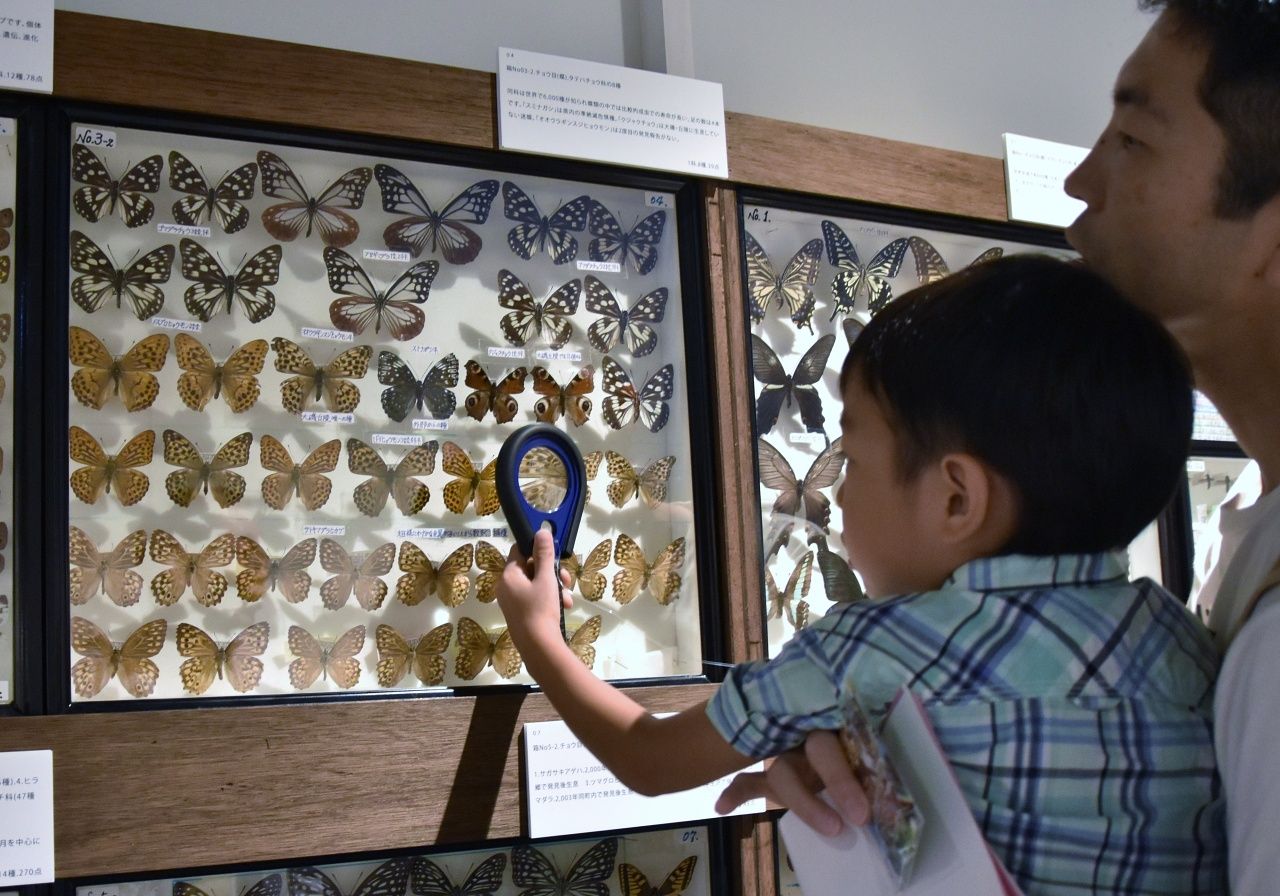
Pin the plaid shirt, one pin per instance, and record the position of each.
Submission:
(1075, 708)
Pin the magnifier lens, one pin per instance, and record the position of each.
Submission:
(543, 479)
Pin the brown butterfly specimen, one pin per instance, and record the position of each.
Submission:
(6, 221)
(424, 655)
(198, 570)
(648, 484)
(661, 577)
(302, 211)
(477, 648)
(215, 287)
(469, 485)
(422, 578)
(330, 382)
(103, 659)
(263, 573)
(307, 479)
(100, 279)
(128, 377)
(112, 572)
(489, 395)
(586, 574)
(102, 472)
(633, 883)
(399, 481)
(6, 323)
(315, 658)
(355, 573)
(569, 400)
(592, 461)
(102, 194)
(805, 496)
(237, 659)
(4, 278)
(214, 476)
(798, 583)
(582, 640)
(235, 379)
(491, 563)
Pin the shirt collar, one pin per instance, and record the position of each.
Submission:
(1024, 572)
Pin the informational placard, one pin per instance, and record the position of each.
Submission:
(568, 791)
(26, 817)
(1034, 172)
(26, 45)
(556, 106)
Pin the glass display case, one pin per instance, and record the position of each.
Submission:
(8, 281)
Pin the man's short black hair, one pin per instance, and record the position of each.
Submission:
(1241, 90)
(1037, 367)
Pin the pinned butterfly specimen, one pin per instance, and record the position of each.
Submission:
(443, 231)
(103, 659)
(853, 278)
(624, 404)
(469, 484)
(6, 221)
(307, 479)
(4, 269)
(528, 317)
(841, 584)
(588, 876)
(489, 395)
(356, 573)
(199, 570)
(102, 195)
(391, 878)
(535, 232)
(237, 660)
(478, 648)
(360, 303)
(223, 201)
(779, 389)
(268, 886)
(429, 879)
(792, 289)
(569, 400)
(633, 883)
(631, 327)
(315, 658)
(930, 265)
(586, 574)
(422, 578)
(203, 378)
(582, 640)
(796, 495)
(399, 481)
(798, 583)
(101, 280)
(6, 325)
(648, 484)
(424, 655)
(639, 245)
(491, 562)
(112, 571)
(330, 382)
(102, 472)
(128, 377)
(213, 287)
(405, 393)
(216, 475)
(661, 577)
(263, 573)
(302, 212)
(542, 478)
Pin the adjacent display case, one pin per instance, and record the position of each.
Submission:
(8, 280)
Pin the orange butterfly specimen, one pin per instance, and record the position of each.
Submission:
(569, 400)
(582, 640)
(196, 570)
(302, 211)
(355, 573)
(586, 574)
(310, 383)
(263, 573)
(469, 485)
(103, 659)
(337, 660)
(197, 474)
(491, 563)
(425, 655)
(478, 648)
(661, 577)
(489, 395)
(307, 479)
(102, 194)
(128, 377)
(422, 578)
(237, 659)
(235, 379)
(399, 481)
(102, 472)
(633, 883)
(112, 572)
(649, 484)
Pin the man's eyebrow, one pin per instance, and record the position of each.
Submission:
(1134, 97)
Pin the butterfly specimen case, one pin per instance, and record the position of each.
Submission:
(9, 211)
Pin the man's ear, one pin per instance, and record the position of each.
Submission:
(975, 502)
(1267, 219)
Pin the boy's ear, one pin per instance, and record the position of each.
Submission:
(973, 501)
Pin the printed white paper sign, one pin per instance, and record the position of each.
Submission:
(26, 45)
(26, 817)
(1034, 172)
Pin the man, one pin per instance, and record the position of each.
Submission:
(1183, 216)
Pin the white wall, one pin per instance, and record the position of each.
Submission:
(938, 72)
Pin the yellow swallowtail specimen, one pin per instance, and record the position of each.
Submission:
(633, 883)
(798, 582)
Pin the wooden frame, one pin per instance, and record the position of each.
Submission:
(205, 787)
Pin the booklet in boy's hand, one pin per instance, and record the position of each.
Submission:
(952, 856)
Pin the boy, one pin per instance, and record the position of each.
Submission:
(1008, 431)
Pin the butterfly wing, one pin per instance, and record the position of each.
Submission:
(582, 640)
(822, 475)
(410, 493)
(240, 658)
(371, 495)
(446, 230)
(203, 662)
(293, 580)
(474, 650)
(238, 375)
(428, 654)
(435, 392)
(639, 246)
(226, 485)
(301, 213)
(657, 391)
(491, 563)
(369, 588)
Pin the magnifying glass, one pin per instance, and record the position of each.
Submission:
(541, 478)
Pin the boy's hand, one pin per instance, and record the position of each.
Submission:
(530, 596)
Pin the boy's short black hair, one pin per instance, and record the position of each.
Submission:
(1040, 369)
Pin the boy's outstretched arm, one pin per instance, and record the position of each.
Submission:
(648, 754)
